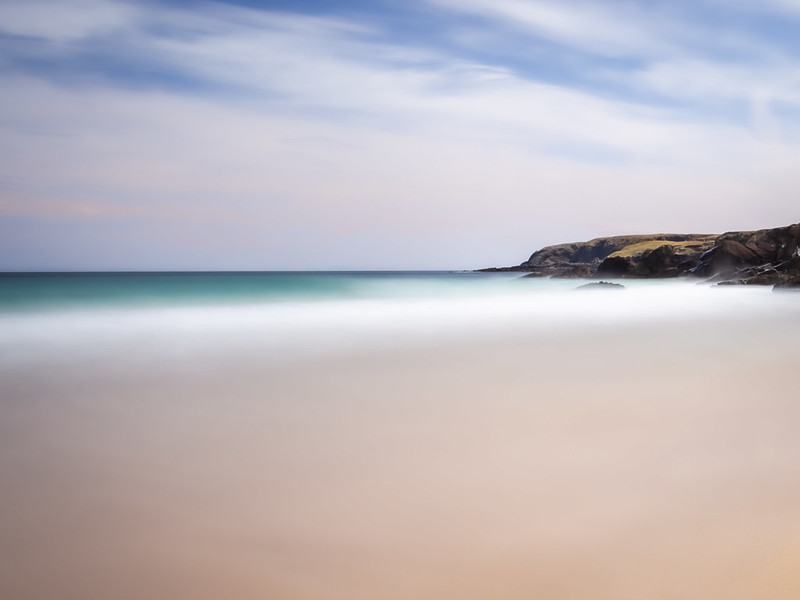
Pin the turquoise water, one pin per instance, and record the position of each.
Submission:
(27, 291)
(280, 315)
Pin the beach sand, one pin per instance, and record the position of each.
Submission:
(655, 461)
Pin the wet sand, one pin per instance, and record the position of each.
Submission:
(656, 462)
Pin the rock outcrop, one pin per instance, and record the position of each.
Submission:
(624, 255)
(659, 255)
(601, 285)
(763, 257)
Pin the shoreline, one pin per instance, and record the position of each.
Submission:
(655, 460)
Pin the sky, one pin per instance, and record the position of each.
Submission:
(423, 134)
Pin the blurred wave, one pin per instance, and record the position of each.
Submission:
(283, 315)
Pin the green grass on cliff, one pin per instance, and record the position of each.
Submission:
(688, 247)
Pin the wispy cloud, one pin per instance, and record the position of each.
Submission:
(605, 28)
(780, 6)
(65, 21)
(293, 128)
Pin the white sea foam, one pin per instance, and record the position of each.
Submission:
(397, 313)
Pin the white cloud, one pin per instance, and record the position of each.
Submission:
(303, 66)
(226, 174)
(788, 5)
(603, 28)
(702, 78)
(777, 6)
(298, 64)
(62, 21)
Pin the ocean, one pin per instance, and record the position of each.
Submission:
(395, 435)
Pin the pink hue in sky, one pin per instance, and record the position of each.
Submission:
(348, 151)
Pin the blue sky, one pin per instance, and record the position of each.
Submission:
(421, 134)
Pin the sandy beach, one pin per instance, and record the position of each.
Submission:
(647, 461)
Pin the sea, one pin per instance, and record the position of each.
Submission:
(396, 435)
(277, 315)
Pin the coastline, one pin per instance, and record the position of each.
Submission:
(763, 257)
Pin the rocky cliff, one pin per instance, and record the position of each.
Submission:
(763, 257)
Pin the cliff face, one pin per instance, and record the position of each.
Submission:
(660, 255)
(766, 257)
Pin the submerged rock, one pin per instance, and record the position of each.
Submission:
(601, 285)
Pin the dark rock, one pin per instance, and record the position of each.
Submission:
(574, 272)
(621, 256)
(562, 271)
(760, 275)
(763, 257)
(601, 285)
(768, 277)
(615, 266)
(514, 269)
(792, 265)
(738, 250)
(657, 263)
(595, 251)
(789, 272)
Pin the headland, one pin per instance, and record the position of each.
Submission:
(761, 257)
